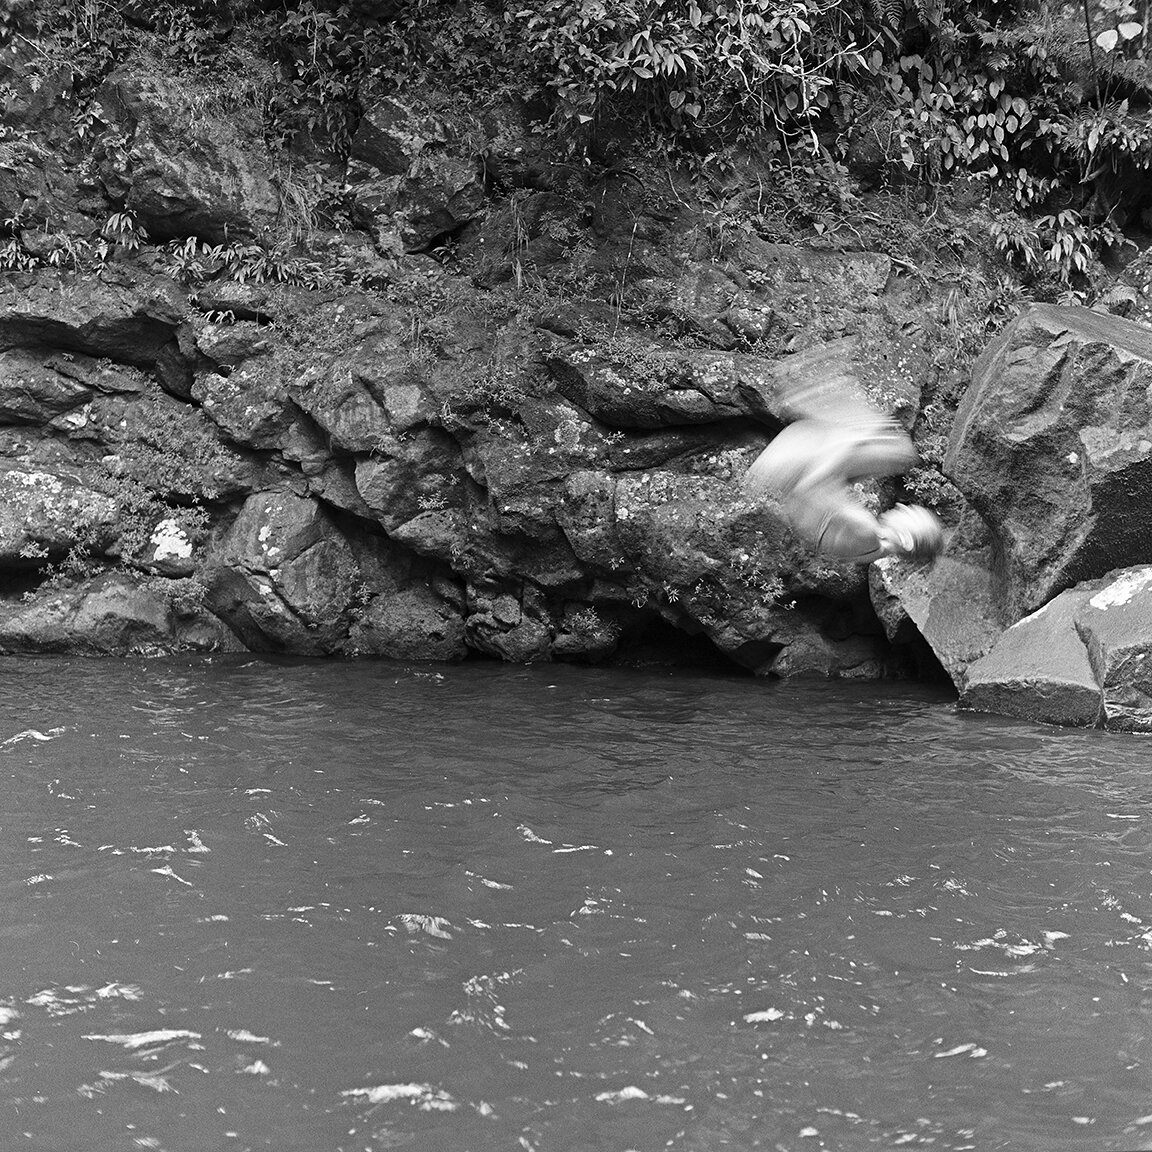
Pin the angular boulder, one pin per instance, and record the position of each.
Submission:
(1116, 627)
(283, 577)
(628, 382)
(410, 474)
(33, 390)
(1039, 668)
(1052, 445)
(711, 562)
(641, 384)
(413, 174)
(124, 314)
(182, 169)
(1083, 659)
(44, 514)
(950, 605)
(250, 406)
(113, 614)
(510, 623)
(40, 385)
(409, 623)
(404, 608)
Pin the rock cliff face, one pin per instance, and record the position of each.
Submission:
(463, 422)
(1045, 611)
(445, 396)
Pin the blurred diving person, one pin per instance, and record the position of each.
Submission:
(837, 438)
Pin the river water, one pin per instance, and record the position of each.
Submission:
(320, 907)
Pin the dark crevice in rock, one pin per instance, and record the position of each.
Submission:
(911, 657)
(650, 641)
(17, 582)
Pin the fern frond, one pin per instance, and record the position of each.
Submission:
(889, 12)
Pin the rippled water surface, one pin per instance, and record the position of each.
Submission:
(354, 907)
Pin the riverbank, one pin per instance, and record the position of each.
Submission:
(450, 391)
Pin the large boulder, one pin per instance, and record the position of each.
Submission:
(45, 514)
(510, 622)
(712, 562)
(1116, 627)
(950, 605)
(37, 385)
(639, 383)
(415, 622)
(125, 314)
(415, 175)
(181, 166)
(1085, 658)
(1039, 668)
(250, 406)
(630, 382)
(113, 614)
(404, 608)
(283, 577)
(1052, 445)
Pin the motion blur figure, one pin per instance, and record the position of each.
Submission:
(838, 438)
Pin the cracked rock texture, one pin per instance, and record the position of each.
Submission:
(494, 408)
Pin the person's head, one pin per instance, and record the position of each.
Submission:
(911, 531)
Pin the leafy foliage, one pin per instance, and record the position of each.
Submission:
(702, 60)
(1047, 102)
(194, 261)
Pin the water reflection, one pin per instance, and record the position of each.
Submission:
(296, 906)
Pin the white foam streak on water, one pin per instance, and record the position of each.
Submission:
(136, 1040)
(424, 1096)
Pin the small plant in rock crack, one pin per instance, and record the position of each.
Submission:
(184, 595)
(359, 602)
(590, 625)
(13, 257)
(486, 399)
(173, 452)
(121, 231)
(751, 574)
(641, 363)
(79, 563)
(192, 261)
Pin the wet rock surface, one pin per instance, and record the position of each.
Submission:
(1082, 659)
(486, 407)
(1053, 446)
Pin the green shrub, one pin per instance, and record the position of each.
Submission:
(1048, 102)
(193, 262)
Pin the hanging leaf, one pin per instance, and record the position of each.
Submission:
(1130, 29)
(1108, 40)
(675, 99)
